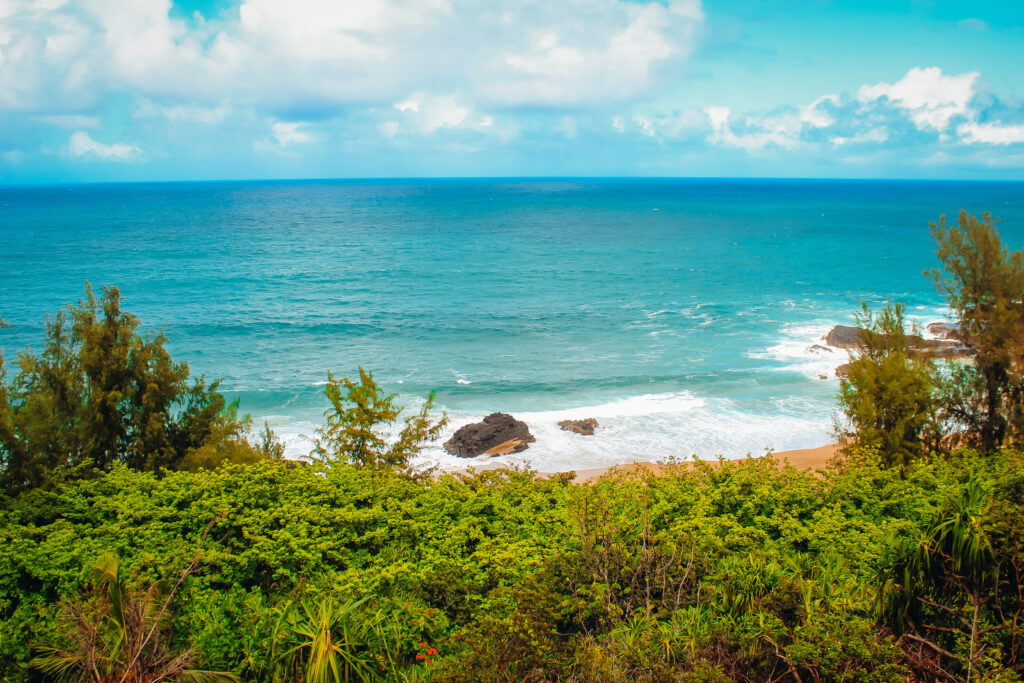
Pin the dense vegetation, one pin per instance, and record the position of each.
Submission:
(145, 538)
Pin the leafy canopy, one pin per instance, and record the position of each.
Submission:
(888, 394)
(100, 393)
(360, 419)
(984, 285)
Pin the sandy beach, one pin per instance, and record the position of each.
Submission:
(805, 459)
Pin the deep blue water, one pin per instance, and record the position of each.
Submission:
(678, 312)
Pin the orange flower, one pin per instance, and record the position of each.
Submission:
(423, 644)
(419, 656)
(431, 651)
(429, 661)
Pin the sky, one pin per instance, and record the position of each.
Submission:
(139, 90)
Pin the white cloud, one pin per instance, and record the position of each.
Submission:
(990, 133)
(434, 112)
(82, 145)
(874, 135)
(283, 136)
(178, 112)
(285, 133)
(930, 97)
(925, 97)
(428, 113)
(277, 56)
(608, 52)
(756, 133)
(813, 115)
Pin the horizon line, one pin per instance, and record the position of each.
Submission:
(355, 179)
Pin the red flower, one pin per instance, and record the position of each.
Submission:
(429, 661)
(419, 656)
(423, 644)
(431, 651)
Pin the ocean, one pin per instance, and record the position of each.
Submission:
(682, 314)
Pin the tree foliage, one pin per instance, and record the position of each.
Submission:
(360, 419)
(101, 393)
(983, 283)
(888, 395)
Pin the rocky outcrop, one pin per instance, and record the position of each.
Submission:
(843, 337)
(585, 427)
(843, 371)
(497, 430)
(846, 337)
(944, 330)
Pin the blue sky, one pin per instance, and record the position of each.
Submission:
(98, 90)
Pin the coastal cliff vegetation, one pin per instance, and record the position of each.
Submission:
(148, 536)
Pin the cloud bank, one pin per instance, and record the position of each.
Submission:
(329, 87)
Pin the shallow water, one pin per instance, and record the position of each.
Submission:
(679, 313)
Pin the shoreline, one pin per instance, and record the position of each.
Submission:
(801, 458)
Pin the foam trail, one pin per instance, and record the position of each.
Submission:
(649, 427)
(802, 349)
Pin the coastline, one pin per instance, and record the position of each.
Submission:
(802, 458)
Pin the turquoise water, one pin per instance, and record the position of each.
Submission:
(679, 313)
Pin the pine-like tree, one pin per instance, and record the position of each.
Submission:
(984, 285)
(100, 393)
(358, 424)
(888, 394)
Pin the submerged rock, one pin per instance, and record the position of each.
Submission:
(498, 430)
(585, 427)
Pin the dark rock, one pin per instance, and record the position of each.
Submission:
(818, 347)
(846, 337)
(585, 427)
(294, 464)
(843, 370)
(497, 429)
(843, 337)
(944, 330)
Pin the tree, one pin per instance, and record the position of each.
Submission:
(888, 394)
(984, 285)
(359, 419)
(101, 393)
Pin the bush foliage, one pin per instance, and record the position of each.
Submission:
(738, 571)
(146, 538)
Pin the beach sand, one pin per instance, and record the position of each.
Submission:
(805, 459)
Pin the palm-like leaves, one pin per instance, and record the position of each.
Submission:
(329, 641)
(120, 635)
(954, 559)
